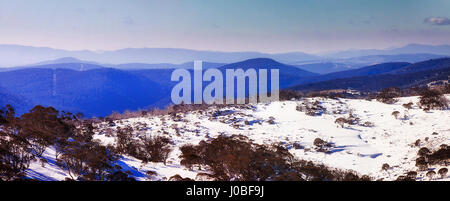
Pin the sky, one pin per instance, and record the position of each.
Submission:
(272, 26)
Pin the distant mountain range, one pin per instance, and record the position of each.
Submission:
(364, 71)
(336, 65)
(98, 90)
(408, 49)
(381, 76)
(16, 55)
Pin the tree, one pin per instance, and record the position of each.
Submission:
(14, 149)
(155, 149)
(43, 127)
(124, 140)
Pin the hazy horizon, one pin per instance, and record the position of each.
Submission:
(228, 26)
(214, 50)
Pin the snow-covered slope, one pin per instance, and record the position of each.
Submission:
(363, 149)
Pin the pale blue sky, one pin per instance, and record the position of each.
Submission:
(225, 25)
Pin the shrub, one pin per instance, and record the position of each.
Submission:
(395, 114)
(89, 160)
(271, 120)
(442, 155)
(408, 105)
(289, 95)
(411, 175)
(321, 145)
(421, 163)
(190, 155)
(236, 158)
(389, 95)
(177, 177)
(124, 140)
(154, 149)
(430, 174)
(350, 120)
(368, 124)
(311, 109)
(443, 172)
(432, 99)
(423, 151)
(417, 143)
(341, 121)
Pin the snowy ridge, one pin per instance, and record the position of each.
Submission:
(363, 149)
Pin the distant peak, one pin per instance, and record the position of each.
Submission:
(269, 60)
(69, 59)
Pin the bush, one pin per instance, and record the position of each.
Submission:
(236, 158)
(341, 121)
(321, 145)
(154, 149)
(423, 151)
(289, 95)
(432, 99)
(311, 109)
(190, 155)
(408, 105)
(395, 114)
(426, 157)
(124, 139)
(350, 120)
(430, 174)
(442, 156)
(389, 95)
(177, 177)
(443, 172)
(368, 124)
(89, 161)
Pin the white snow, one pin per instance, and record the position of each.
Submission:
(358, 148)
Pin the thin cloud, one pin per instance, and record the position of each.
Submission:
(437, 21)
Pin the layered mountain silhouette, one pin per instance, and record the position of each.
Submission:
(17, 55)
(364, 71)
(330, 65)
(98, 91)
(389, 75)
(407, 49)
